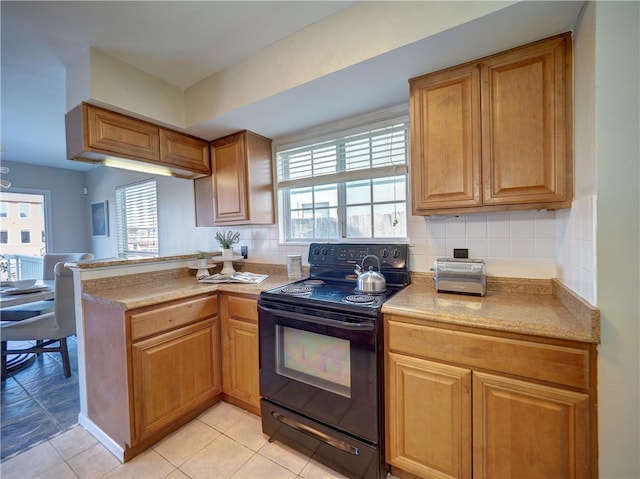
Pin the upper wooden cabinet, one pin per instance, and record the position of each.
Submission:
(496, 133)
(240, 188)
(95, 134)
(184, 151)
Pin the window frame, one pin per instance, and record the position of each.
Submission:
(122, 225)
(332, 133)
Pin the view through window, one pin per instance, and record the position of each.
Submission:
(22, 235)
(353, 185)
(137, 219)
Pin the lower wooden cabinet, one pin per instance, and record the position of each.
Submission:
(527, 430)
(429, 417)
(151, 370)
(174, 372)
(457, 408)
(239, 317)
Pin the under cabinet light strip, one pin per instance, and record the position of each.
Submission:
(140, 167)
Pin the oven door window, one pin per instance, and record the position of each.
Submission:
(315, 359)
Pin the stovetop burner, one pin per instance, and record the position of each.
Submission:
(331, 287)
(360, 298)
(297, 289)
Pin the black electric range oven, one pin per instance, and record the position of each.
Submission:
(321, 358)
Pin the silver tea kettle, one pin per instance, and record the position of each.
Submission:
(370, 281)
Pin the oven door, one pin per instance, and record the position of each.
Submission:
(323, 369)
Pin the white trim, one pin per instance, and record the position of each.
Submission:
(345, 127)
(112, 446)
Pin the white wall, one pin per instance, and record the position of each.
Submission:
(617, 108)
(176, 212)
(69, 225)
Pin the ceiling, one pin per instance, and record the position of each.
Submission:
(184, 42)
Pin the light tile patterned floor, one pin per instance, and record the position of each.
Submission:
(223, 442)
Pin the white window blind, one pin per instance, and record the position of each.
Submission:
(137, 219)
(370, 154)
(351, 184)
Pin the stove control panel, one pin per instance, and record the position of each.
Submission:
(390, 255)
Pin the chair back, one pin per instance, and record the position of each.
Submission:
(64, 304)
(51, 259)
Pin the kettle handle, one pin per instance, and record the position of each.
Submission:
(371, 256)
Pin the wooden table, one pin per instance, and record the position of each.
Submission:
(7, 300)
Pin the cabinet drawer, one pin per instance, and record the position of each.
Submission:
(243, 308)
(545, 362)
(173, 315)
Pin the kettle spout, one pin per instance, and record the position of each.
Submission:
(358, 270)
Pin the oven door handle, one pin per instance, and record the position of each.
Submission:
(333, 323)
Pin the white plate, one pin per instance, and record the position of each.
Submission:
(35, 289)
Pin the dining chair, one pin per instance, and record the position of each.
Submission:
(45, 329)
(50, 260)
(28, 310)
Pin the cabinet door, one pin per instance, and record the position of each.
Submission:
(229, 175)
(445, 139)
(526, 117)
(428, 417)
(528, 431)
(186, 152)
(173, 373)
(240, 349)
(122, 136)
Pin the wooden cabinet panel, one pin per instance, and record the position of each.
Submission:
(94, 134)
(173, 373)
(496, 133)
(240, 188)
(462, 401)
(428, 417)
(546, 362)
(151, 370)
(230, 181)
(119, 134)
(525, 124)
(239, 318)
(184, 151)
(241, 378)
(528, 431)
(445, 134)
(154, 320)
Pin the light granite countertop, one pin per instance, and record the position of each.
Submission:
(535, 307)
(554, 314)
(131, 293)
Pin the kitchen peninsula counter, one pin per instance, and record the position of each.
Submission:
(146, 290)
(534, 307)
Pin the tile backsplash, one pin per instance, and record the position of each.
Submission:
(576, 248)
(517, 244)
(513, 244)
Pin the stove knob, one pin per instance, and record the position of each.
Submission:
(316, 251)
(324, 251)
(396, 253)
(385, 253)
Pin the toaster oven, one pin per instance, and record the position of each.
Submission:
(456, 275)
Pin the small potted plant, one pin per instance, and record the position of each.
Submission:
(201, 259)
(226, 240)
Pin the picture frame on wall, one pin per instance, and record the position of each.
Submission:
(100, 219)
